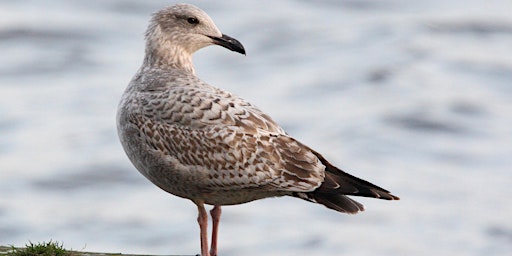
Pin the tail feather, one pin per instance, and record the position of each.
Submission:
(337, 184)
(337, 202)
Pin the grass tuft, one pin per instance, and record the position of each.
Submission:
(40, 249)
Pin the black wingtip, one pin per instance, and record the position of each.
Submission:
(337, 181)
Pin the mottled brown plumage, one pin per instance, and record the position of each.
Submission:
(199, 142)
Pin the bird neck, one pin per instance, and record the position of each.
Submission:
(165, 55)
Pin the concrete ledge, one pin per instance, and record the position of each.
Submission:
(7, 249)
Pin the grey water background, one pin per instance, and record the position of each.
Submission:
(415, 96)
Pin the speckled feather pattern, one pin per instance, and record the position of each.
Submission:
(211, 142)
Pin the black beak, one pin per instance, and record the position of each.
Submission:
(229, 43)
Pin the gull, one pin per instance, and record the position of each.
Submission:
(199, 142)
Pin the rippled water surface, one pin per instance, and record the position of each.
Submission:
(413, 96)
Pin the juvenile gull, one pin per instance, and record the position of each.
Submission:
(202, 143)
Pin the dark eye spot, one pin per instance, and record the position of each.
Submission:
(192, 20)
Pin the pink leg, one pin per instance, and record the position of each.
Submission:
(202, 219)
(215, 212)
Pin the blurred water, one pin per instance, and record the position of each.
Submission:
(413, 96)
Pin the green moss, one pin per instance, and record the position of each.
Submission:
(40, 249)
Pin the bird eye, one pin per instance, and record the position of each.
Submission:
(192, 20)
